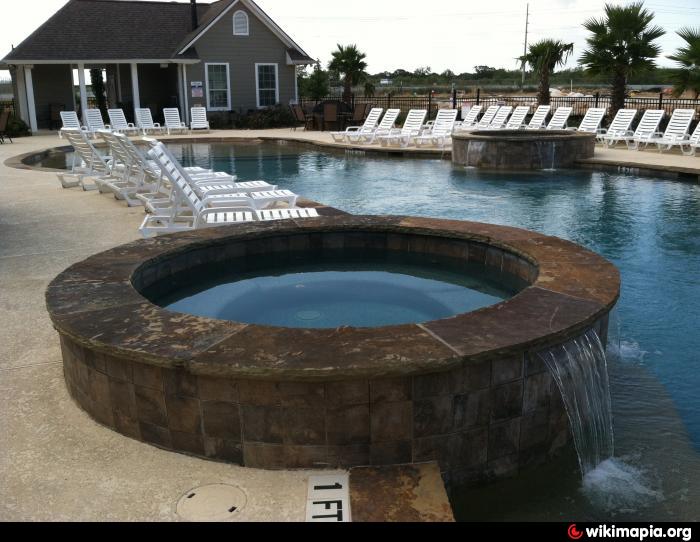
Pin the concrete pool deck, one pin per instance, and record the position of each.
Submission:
(55, 462)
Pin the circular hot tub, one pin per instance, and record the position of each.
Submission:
(288, 370)
(521, 149)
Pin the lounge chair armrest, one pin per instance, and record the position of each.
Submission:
(157, 125)
(215, 210)
(352, 129)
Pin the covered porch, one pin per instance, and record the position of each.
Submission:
(43, 89)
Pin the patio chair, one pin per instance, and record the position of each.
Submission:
(412, 127)
(330, 115)
(173, 122)
(690, 147)
(501, 118)
(299, 116)
(358, 115)
(619, 128)
(4, 119)
(117, 121)
(677, 130)
(198, 119)
(469, 118)
(55, 115)
(125, 178)
(560, 118)
(488, 117)
(70, 122)
(385, 126)
(94, 122)
(645, 130)
(87, 162)
(441, 131)
(591, 121)
(517, 120)
(144, 122)
(539, 119)
(370, 124)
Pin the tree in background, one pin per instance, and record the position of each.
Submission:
(687, 77)
(484, 72)
(316, 85)
(543, 58)
(349, 64)
(620, 45)
(98, 89)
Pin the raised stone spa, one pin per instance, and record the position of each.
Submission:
(521, 149)
(467, 390)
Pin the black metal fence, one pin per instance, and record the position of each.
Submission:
(579, 105)
(8, 104)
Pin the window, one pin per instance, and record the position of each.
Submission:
(218, 91)
(240, 24)
(266, 84)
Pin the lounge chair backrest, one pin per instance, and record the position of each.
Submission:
(172, 117)
(491, 112)
(138, 158)
(444, 121)
(389, 119)
(679, 124)
(471, 117)
(117, 119)
(622, 121)
(502, 116)
(120, 157)
(199, 117)
(560, 118)
(694, 139)
(187, 194)
(539, 119)
(93, 120)
(518, 117)
(144, 119)
(414, 121)
(649, 123)
(372, 119)
(592, 120)
(86, 151)
(70, 120)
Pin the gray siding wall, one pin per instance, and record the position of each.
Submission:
(242, 53)
(53, 84)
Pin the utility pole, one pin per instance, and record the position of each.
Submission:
(527, 28)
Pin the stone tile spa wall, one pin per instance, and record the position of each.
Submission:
(468, 391)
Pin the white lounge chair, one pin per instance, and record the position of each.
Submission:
(190, 212)
(488, 117)
(619, 128)
(539, 119)
(469, 118)
(647, 127)
(677, 130)
(198, 119)
(501, 118)
(87, 162)
(441, 131)
(70, 122)
(411, 128)
(144, 121)
(172, 121)
(517, 119)
(369, 125)
(690, 147)
(591, 121)
(94, 122)
(118, 123)
(560, 118)
(383, 128)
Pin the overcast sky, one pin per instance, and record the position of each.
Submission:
(408, 34)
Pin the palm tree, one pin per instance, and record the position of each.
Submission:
(620, 45)
(687, 78)
(349, 63)
(543, 58)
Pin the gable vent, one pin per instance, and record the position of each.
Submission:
(240, 23)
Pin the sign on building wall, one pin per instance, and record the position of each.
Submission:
(197, 89)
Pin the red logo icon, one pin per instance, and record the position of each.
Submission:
(574, 533)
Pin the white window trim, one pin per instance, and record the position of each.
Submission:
(247, 21)
(257, 82)
(228, 85)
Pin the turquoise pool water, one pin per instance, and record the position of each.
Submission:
(650, 228)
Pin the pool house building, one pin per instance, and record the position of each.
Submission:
(227, 55)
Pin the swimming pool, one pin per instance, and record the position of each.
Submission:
(649, 228)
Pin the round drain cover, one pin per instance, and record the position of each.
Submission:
(216, 502)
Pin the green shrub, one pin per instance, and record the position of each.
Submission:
(16, 127)
(279, 116)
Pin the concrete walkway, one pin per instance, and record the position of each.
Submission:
(55, 462)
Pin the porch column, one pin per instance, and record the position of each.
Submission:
(185, 93)
(135, 86)
(31, 105)
(83, 90)
(21, 105)
(119, 83)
